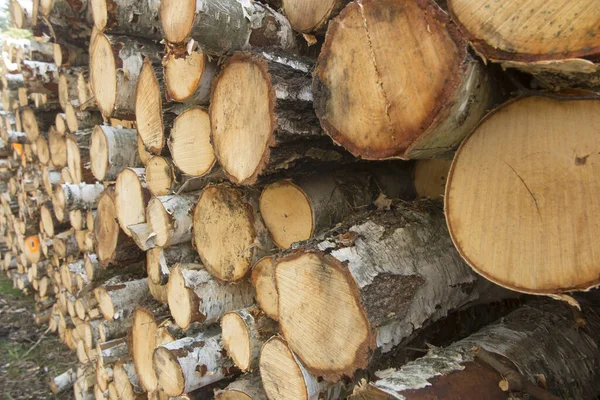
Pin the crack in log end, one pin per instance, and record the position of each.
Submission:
(527, 188)
(400, 291)
(581, 160)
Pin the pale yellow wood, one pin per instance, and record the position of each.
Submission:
(522, 200)
(430, 177)
(148, 109)
(190, 144)
(549, 29)
(287, 213)
(277, 365)
(263, 279)
(103, 73)
(183, 74)
(236, 339)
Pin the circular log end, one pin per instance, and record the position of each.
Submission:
(121, 380)
(57, 146)
(61, 124)
(47, 221)
(63, 91)
(232, 395)
(16, 11)
(504, 212)
(74, 159)
(153, 265)
(76, 219)
(287, 213)
(129, 200)
(160, 175)
(190, 144)
(168, 372)
(71, 118)
(57, 50)
(106, 229)
(43, 153)
(103, 74)
(181, 300)
(183, 74)
(554, 30)
(142, 152)
(30, 125)
(236, 339)
(99, 153)
(263, 280)
(341, 338)
(360, 87)
(143, 340)
(307, 15)
(148, 109)
(100, 14)
(159, 221)
(177, 18)
(222, 216)
(105, 303)
(242, 117)
(277, 365)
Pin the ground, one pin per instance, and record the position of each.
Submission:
(29, 355)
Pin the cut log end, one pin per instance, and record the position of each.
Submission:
(106, 228)
(100, 14)
(344, 333)
(183, 75)
(103, 74)
(263, 280)
(130, 200)
(221, 213)
(241, 140)
(287, 213)
(168, 371)
(144, 340)
(105, 303)
(177, 18)
(190, 144)
(99, 153)
(183, 302)
(355, 96)
(310, 15)
(148, 109)
(236, 340)
(159, 175)
(505, 194)
(278, 364)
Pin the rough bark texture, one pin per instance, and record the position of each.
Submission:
(224, 26)
(186, 358)
(160, 261)
(533, 341)
(119, 300)
(249, 385)
(82, 196)
(288, 135)
(112, 150)
(170, 218)
(395, 271)
(130, 17)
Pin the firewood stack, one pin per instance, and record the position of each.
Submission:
(243, 199)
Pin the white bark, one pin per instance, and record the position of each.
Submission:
(63, 381)
(122, 151)
(119, 300)
(178, 228)
(82, 196)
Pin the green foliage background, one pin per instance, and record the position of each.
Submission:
(6, 28)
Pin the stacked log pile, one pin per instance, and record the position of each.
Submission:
(202, 207)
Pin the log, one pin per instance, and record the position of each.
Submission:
(244, 332)
(81, 120)
(285, 130)
(430, 177)
(297, 209)
(557, 58)
(279, 364)
(35, 122)
(170, 218)
(84, 94)
(114, 247)
(144, 339)
(77, 219)
(308, 16)
(522, 352)
(229, 216)
(189, 143)
(191, 363)
(14, 137)
(391, 272)
(224, 26)
(263, 280)
(67, 89)
(523, 251)
(188, 76)
(49, 220)
(247, 387)
(57, 146)
(82, 196)
(111, 150)
(195, 296)
(65, 245)
(23, 97)
(78, 156)
(63, 382)
(131, 197)
(67, 55)
(115, 92)
(129, 17)
(449, 99)
(164, 178)
(21, 17)
(41, 51)
(60, 124)
(142, 152)
(126, 381)
(119, 300)
(50, 177)
(160, 261)
(41, 77)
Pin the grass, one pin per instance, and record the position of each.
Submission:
(6, 287)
